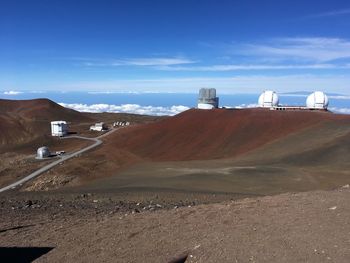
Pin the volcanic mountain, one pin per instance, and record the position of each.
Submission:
(220, 133)
(24, 121)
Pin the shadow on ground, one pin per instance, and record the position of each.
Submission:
(22, 254)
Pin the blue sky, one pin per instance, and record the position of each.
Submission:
(166, 46)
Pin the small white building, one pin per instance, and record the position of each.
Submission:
(43, 152)
(59, 128)
(100, 126)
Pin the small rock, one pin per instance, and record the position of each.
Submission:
(332, 208)
(346, 186)
(198, 246)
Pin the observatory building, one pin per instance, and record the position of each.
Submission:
(317, 100)
(43, 152)
(59, 128)
(100, 126)
(268, 99)
(207, 99)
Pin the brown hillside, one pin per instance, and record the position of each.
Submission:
(38, 109)
(23, 121)
(220, 133)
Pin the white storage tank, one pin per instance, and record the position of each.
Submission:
(59, 128)
(43, 152)
(317, 100)
(268, 99)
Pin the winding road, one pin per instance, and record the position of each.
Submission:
(44, 169)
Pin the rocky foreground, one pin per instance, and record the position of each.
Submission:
(303, 227)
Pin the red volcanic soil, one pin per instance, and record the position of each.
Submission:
(39, 109)
(220, 133)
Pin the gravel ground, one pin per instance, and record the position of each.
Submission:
(303, 227)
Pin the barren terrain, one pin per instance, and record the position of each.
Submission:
(304, 227)
(239, 152)
(206, 186)
(25, 126)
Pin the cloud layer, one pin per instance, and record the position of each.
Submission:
(236, 84)
(298, 53)
(12, 92)
(146, 62)
(127, 108)
(157, 111)
(340, 110)
(247, 67)
(311, 49)
(333, 13)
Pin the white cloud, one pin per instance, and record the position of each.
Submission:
(232, 67)
(336, 97)
(244, 106)
(305, 49)
(37, 91)
(236, 84)
(276, 54)
(130, 92)
(157, 61)
(340, 110)
(339, 97)
(12, 92)
(127, 108)
(112, 92)
(330, 13)
(279, 54)
(160, 61)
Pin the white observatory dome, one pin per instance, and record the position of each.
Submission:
(43, 152)
(317, 100)
(268, 99)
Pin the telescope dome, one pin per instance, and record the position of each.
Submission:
(268, 99)
(317, 100)
(43, 152)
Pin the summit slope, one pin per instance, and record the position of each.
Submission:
(220, 133)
